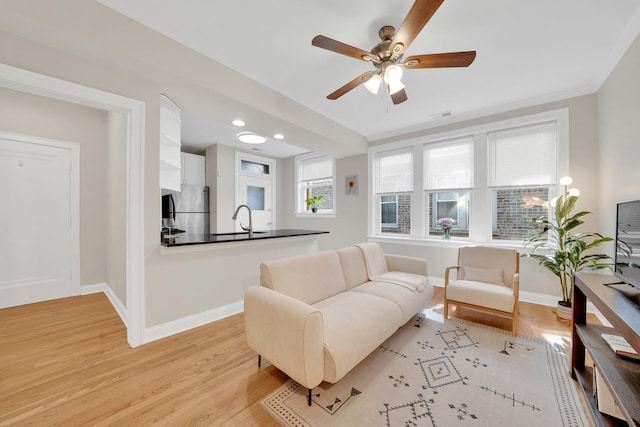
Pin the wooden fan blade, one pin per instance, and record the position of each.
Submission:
(416, 19)
(343, 48)
(352, 84)
(399, 97)
(441, 60)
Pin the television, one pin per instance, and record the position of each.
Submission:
(627, 256)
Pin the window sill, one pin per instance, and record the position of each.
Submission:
(316, 215)
(454, 242)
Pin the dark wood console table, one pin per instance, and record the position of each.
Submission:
(622, 376)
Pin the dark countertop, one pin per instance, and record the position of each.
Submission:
(198, 239)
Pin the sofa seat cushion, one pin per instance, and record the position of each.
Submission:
(497, 297)
(355, 323)
(409, 302)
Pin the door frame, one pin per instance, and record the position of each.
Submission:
(27, 81)
(74, 195)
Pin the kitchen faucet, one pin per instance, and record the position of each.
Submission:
(250, 228)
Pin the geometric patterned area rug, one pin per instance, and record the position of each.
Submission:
(439, 374)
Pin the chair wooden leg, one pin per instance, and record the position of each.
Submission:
(309, 397)
(446, 309)
(514, 326)
(259, 361)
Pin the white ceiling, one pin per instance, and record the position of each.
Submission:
(528, 52)
(200, 132)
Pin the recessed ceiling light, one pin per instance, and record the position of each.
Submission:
(238, 122)
(251, 138)
(278, 136)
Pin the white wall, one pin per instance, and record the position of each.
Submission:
(349, 226)
(187, 281)
(619, 137)
(116, 197)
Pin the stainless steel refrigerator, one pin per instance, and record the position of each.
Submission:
(189, 208)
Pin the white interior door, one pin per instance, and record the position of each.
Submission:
(35, 222)
(256, 193)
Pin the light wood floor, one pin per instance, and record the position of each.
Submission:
(67, 362)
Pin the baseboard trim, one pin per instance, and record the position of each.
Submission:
(180, 325)
(164, 330)
(115, 301)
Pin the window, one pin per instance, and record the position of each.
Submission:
(315, 177)
(448, 181)
(389, 212)
(522, 174)
(394, 186)
(255, 198)
(490, 179)
(254, 167)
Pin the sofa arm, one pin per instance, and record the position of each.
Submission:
(406, 264)
(287, 332)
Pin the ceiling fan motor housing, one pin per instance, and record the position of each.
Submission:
(383, 49)
(387, 32)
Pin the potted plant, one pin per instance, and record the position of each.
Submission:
(568, 251)
(313, 202)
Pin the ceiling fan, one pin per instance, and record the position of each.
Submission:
(386, 56)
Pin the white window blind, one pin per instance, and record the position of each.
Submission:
(449, 166)
(395, 172)
(523, 156)
(315, 169)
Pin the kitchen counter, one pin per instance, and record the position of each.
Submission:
(198, 239)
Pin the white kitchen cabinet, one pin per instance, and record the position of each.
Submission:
(170, 159)
(193, 169)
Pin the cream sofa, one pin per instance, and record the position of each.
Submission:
(315, 317)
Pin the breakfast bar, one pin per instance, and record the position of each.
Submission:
(199, 239)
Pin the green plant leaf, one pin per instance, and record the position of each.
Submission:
(570, 251)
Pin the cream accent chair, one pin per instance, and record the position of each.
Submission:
(487, 280)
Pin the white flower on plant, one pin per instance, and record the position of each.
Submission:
(446, 223)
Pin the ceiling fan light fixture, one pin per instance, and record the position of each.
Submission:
(395, 87)
(251, 138)
(392, 73)
(373, 84)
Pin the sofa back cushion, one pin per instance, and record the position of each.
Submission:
(354, 268)
(308, 278)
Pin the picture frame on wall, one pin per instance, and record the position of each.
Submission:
(351, 185)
